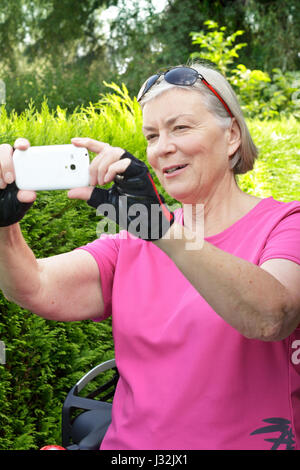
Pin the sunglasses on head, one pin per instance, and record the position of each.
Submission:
(184, 76)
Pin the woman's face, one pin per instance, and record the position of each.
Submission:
(187, 148)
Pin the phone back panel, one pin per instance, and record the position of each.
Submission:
(51, 167)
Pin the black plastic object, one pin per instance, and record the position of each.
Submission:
(85, 420)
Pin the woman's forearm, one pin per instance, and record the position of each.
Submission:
(243, 294)
(19, 271)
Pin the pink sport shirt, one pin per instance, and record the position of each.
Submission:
(188, 380)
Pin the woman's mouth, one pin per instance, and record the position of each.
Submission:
(174, 170)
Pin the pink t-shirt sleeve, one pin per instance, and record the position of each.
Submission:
(105, 251)
(284, 239)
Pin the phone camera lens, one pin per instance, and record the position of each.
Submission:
(73, 167)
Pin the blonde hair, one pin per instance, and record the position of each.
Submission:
(244, 158)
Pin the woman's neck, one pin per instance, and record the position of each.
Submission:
(218, 210)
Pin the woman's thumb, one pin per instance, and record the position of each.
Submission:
(81, 193)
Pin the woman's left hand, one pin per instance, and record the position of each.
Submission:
(104, 167)
(134, 202)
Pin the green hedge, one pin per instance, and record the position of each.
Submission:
(45, 358)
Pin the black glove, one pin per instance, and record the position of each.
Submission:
(11, 209)
(138, 207)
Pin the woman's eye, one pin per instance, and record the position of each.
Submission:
(180, 127)
(150, 136)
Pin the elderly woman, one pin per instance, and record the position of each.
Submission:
(206, 333)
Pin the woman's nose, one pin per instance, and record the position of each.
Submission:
(165, 146)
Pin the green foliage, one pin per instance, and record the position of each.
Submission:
(265, 96)
(277, 170)
(261, 95)
(63, 50)
(71, 87)
(45, 358)
(218, 47)
(55, 29)
(273, 34)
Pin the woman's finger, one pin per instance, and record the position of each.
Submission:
(26, 196)
(102, 162)
(21, 144)
(116, 168)
(2, 182)
(106, 156)
(98, 168)
(81, 193)
(92, 145)
(6, 164)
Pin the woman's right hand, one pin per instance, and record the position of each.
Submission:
(7, 171)
(13, 203)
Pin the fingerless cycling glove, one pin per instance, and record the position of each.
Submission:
(138, 207)
(11, 209)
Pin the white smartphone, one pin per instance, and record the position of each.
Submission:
(50, 167)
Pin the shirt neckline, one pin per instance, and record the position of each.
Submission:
(219, 236)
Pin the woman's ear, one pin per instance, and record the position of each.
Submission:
(234, 137)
